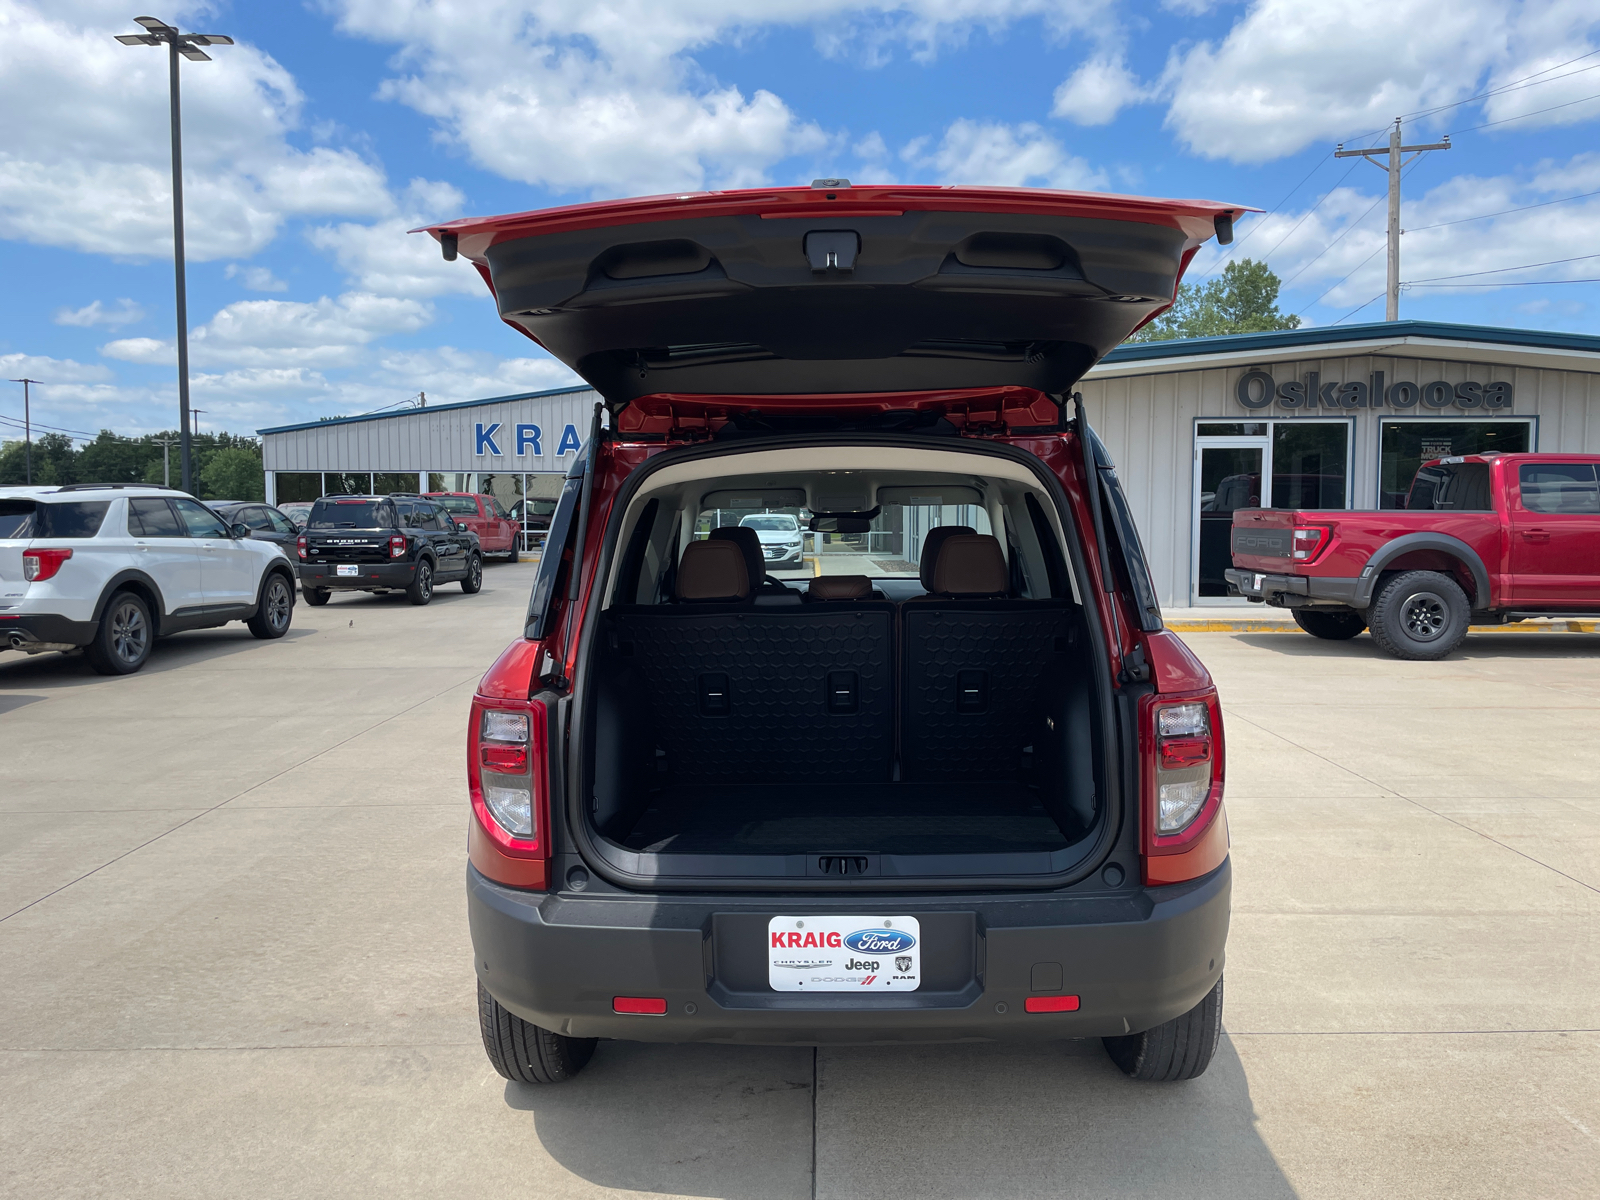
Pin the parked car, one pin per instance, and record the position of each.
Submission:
(112, 567)
(988, 806)
(395, 543)
(532, 514)
(266, 523)
(1483, 538)
(781, 539)
(298, 511)
(496, 529)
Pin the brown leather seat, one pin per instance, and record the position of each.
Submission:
(712, 570)
(742, 536)
(840, 587)
(971, 564)
(935, 538)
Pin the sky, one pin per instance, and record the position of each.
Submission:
(334, 126)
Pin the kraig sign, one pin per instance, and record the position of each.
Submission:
(1258, 390)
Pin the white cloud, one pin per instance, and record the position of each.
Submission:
(257, 279)
(285, 333)
(1004, 155)
(384, 258)
(89, 168)
(50, 371)
(95, 313)
(1291, 72)
(1098, 90)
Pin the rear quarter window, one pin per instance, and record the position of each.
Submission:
(66, 519)
(1451, 487)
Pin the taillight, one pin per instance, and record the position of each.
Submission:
(506, 779)
(39, 565)
(300, 545)
(1309, 541)
(397, 546)
(1181, 743)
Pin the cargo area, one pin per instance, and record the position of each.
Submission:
(938, 719)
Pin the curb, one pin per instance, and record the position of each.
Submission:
(1246, 625)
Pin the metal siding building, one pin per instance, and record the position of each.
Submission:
(1189, 444)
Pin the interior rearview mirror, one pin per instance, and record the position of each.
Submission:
(840, 524)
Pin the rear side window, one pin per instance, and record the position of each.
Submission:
(256, 518)
(152, 517)
(1559, 488)
(352, 514)
(73, 519)
(1451, 487)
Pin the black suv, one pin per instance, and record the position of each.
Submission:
(398, 542)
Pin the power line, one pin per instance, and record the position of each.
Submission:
(1351, 272)
(1359, 307)
(1506, 283)
(52, 428)
(1260, 221)
(1502, 270)
(1409, 168)
(1525, 116)
(1503, 211)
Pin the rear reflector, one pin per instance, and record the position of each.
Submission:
(1051, 1004)
(653, 1006)
(508, 760)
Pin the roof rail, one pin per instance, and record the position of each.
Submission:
(89, 487)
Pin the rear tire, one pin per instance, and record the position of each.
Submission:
(1420, 615)
(1330, 624)
(526, 1053)
(276, 609)
(1174, 1050)
(473, 580)
(123, 642)
(421, 589)
(513, 555)
(316, 597)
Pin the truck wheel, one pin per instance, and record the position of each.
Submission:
(526, 1053)
(1330, 624)
(1420, 615)
(316, 597)
(123, 641)
(421, 589)
(473, 580)
(513, 555)
(275, 610)
(1177, 1049)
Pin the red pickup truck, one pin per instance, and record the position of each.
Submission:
(1484, 538)
(496, 529)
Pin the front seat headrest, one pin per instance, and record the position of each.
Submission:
(712, 571)
(749, 543)
(840, 587)
(930, 550)
(971, 564)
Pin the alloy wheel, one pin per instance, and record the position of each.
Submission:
(278, 604)
(130, 632)
(1424, 615)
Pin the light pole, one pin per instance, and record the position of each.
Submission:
(27, 424)
(159, 33)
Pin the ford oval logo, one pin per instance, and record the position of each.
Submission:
(879, 941)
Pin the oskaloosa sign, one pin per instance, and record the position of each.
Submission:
(1257, 390)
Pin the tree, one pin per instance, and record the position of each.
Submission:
(232, 473)
(1244, 299)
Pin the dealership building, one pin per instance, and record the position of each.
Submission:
(1334, 417)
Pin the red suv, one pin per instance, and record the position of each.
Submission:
(970, 789)
(497, 530)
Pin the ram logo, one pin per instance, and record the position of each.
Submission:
(903, 963)
(879, 941)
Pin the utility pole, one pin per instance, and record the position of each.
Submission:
(1394, 150)
(27, 424)
(158, 33)
(166, 445)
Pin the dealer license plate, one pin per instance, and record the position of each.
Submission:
(347, 569)
(844, 954)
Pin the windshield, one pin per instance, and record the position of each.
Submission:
(463, 505)
(352, 514)
(30, 519)
(771, 524)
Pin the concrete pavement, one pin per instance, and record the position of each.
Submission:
(234, 956)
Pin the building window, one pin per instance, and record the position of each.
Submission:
(1406, 445)
(452, 481)
(292, 486)
(384, 482)
(346, 483)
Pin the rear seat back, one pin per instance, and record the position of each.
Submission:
(744, 695)
(975, 664)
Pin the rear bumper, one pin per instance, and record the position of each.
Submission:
(1134, 960)
(373, 575)
(1292, 591)
(39, 631)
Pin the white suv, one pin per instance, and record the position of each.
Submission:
(112, 567)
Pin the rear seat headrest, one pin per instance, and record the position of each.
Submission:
(712, 571)
(742, 536)
(935, 538)
(971, 564)
(840, 587)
